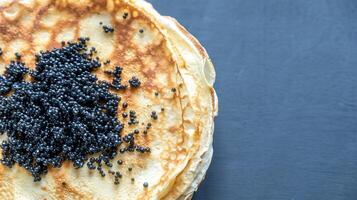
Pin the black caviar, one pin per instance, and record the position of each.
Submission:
(64, 113)
(134, 82)
(132, 118)
(148, 126)
(118, 175)
(18, 56)
(107, 62)
(154, 115)
(116, 83)
(125, 15)
(125, 115)
(108, 29)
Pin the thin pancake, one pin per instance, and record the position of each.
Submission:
(157, 50)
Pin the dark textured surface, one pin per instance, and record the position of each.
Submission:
(287, 88)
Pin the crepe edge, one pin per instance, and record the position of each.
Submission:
(203, 157)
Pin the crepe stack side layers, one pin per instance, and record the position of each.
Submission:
(176, 77)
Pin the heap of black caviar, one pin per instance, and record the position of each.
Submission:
(62, 113)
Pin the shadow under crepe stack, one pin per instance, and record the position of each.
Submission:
(140, 75)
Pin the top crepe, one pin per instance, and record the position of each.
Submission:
(175, 74)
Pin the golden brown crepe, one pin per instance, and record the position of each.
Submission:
(167, 59)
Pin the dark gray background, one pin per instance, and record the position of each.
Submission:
(287, 88)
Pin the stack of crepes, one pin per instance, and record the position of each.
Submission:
(176, 77)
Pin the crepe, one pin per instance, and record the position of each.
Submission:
(177, 82)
